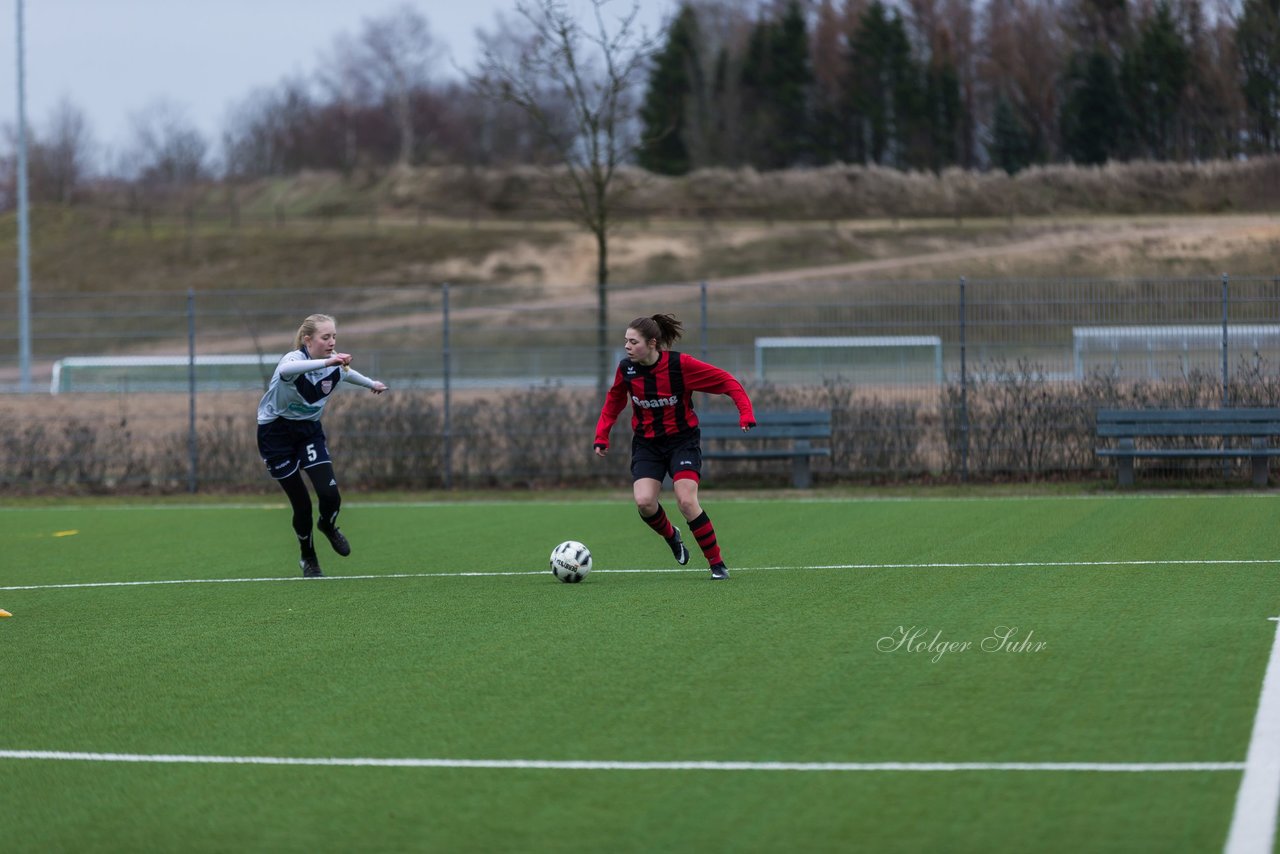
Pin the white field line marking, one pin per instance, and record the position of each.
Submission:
(605, 765)
(281, 578)
(1253, 825)
(505, 573)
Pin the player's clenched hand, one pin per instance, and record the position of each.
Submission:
(378, 388)
(602, 450)
(343, 359)
(747, 425)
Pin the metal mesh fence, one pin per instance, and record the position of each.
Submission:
(501, 386)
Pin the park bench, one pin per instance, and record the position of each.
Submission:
(1126, 426)
(776, 436)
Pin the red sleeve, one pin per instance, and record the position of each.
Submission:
(699, 376)
(614, 402)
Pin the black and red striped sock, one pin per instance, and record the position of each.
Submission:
(660, 523)
(705, 533)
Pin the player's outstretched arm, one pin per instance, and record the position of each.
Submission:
(699, 376)
(351, 375)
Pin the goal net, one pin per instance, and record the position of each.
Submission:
(161, 373)
(866, 360)
(1164, 352)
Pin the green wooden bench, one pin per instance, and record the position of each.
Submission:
(776, 436)
(1127, 426)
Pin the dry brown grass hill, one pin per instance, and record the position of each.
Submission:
(432, 225)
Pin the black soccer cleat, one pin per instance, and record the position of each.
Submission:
(310, 568)
(336, 539)
(719, 572)
(678, 551)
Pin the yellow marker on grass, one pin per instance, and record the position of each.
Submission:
(4, 613)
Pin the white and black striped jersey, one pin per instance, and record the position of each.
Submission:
(301, 385)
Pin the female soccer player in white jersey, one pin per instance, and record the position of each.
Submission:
(291, 439)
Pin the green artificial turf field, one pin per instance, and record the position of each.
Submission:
(1135, 635)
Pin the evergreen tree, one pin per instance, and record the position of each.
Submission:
(908, 105)
(1258, 42)
(828, 127)
(943, 119)
(1012, 148)
(1155, 73)
(791, 84)
(829, 130)
(671, 98)
(753, 85)
(1093, 114)
(725, 146)
(775, 85)
(883, 92)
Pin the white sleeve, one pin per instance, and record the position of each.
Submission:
(291, 368)
(351, 375)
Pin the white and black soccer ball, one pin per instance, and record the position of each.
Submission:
(570, 561)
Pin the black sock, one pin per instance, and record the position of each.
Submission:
(300, 500)
(326, 486)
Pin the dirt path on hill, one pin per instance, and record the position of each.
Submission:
(1091, 235)
(1095, 235)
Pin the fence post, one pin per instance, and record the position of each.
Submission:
(703, 289)
(24, 218)
(1224, 341)
(603, 376)
(964, 393)
(448, 413)
(193, 459)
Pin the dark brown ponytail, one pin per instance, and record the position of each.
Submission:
(664, 327)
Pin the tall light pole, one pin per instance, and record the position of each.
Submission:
(24, 226)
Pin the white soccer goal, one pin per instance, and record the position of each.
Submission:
(160, 373)
(870, 360)
(1161, 352)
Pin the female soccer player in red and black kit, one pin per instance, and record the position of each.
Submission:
(660, 384)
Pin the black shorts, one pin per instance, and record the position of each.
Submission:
(656, 458)
(286, 446)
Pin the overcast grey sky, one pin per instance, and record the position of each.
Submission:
(113, 58)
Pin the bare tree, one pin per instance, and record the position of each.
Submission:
(269, 131)
(594, 72)
(1024, 44)
(167, 148)
(503, 132)
(60, 156)
(393, 58)
(1216, 111)
(342, 76)
(64, 157)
